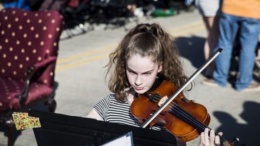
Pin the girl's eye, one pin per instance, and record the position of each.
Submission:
(131, 72)
(147, 73)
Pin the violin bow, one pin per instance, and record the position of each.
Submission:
(190, 79)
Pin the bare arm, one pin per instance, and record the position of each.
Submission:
(94, 115)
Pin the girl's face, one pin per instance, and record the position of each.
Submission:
(141, 72)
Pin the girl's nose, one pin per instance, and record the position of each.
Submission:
(138, 81)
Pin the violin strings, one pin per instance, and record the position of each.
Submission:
(183, 113)
(192, 119)
(189, 117)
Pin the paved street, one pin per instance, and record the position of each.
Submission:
(80, 78)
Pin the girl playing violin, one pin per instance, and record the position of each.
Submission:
(145, 54)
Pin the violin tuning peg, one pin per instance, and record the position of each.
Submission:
(235, 140)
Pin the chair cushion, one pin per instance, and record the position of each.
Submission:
(9, 88)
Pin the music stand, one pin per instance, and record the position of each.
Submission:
(63, 130)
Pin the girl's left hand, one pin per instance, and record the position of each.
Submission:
(209, 139)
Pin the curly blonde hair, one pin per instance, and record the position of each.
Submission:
(145, 40)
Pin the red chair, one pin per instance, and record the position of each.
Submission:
(29, 44)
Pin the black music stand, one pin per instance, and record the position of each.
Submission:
(64, 130)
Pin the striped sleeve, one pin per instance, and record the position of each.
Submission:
(102, 107)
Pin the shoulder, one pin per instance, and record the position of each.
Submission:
(107, 100)
(110, 97)
(104, 105)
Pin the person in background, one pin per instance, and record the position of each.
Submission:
(258, 57)
(243, 15)
(258, 50)
(1, 6)
(210, 11)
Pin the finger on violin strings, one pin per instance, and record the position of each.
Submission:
(202, 138)
(205, 137)
(217, 140)
(206, 133)
(220, 133)
(211, 136)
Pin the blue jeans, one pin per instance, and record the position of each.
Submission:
(249, 32)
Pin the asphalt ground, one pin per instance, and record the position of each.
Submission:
(80, 78)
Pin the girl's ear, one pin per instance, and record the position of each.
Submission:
(160, 67)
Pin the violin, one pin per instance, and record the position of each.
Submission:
(166, 106)
(183, 118)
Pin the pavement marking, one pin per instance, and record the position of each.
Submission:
(88, 53)
(188, 29)
(189, 32)
(58, 69)
(174, 30)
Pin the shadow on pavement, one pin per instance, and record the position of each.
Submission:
(191, 48)
(247, 133)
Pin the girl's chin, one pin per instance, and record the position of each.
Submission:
(140, 91)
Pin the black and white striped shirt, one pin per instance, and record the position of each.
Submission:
(114, 111)
(111, 110)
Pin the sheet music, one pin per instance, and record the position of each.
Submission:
(125, 140)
